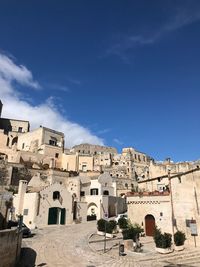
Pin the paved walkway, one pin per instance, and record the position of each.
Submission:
(68, 246)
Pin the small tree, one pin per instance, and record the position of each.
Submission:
(113, 225)
(108, 226)
(123, 223)
(132, 232)
(162, 240)
(179, 238)
(101, 225)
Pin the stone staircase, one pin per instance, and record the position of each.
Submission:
(187, 257)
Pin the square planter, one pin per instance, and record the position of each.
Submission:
(164, 250)
(103, 234)
(178, 248)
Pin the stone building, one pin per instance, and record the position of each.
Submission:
(77, 162)
(93, 149)
(174, 207)
(101, 197)
(45, 142)
(52, 204)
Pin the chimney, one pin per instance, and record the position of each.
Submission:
(21, 193)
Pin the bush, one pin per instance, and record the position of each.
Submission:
(179, 238)
(113, 225)
(110, 226)
(162, 240)
(101, 225)
(132, 232)
(123, 223)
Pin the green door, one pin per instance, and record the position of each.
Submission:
(62, 217)
(53, 216)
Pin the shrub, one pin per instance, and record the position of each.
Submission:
(179, 238)
(110, 226)
(101, 225)
(123, 223)
(113, 225)
(162, 240)
(132, 232)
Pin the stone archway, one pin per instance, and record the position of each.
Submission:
(149, 225)
(92, 211)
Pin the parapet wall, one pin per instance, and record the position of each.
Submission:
(10, 247)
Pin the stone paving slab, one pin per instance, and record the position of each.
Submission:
(68, 246)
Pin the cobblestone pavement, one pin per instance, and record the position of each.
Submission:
(68, 246)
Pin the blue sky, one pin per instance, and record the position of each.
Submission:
(122, 73)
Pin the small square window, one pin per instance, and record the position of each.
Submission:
(56, 155)
(25, 212)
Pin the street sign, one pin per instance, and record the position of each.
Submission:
(193, 229)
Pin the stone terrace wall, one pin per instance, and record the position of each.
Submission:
(10, 247)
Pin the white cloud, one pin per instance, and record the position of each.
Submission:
(45, 114)
(117, 141)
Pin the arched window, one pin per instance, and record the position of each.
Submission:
(56, 195)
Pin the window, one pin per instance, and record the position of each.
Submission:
(20, 129)
(23, 145)
(82, 193)
(53, 142)
(56, 195)
(106, 193)
(94, 192)
(25, 212)
(56, 155)
(126, 185)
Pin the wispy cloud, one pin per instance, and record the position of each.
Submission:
(57, 87)
(117, 141)
(74, 81)
(46, 114)
(179, 17)
(10, 72)
(103, 131)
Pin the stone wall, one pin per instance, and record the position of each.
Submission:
(10, 247)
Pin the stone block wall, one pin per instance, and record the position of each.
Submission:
(10, 247)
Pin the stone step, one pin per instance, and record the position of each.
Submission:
(172, 255)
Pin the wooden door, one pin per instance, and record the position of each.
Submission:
(149, 225)
(53, 216)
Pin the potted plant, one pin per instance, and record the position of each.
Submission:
(122, 223)
(163, 241)
(131, 236)
(101, 226)
(179, 239)
(106, 226)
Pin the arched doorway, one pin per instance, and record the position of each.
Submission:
(149, 225)
(92, 212)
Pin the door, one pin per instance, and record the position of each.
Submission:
(149, 225)
(62, 217)
(53, 216)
